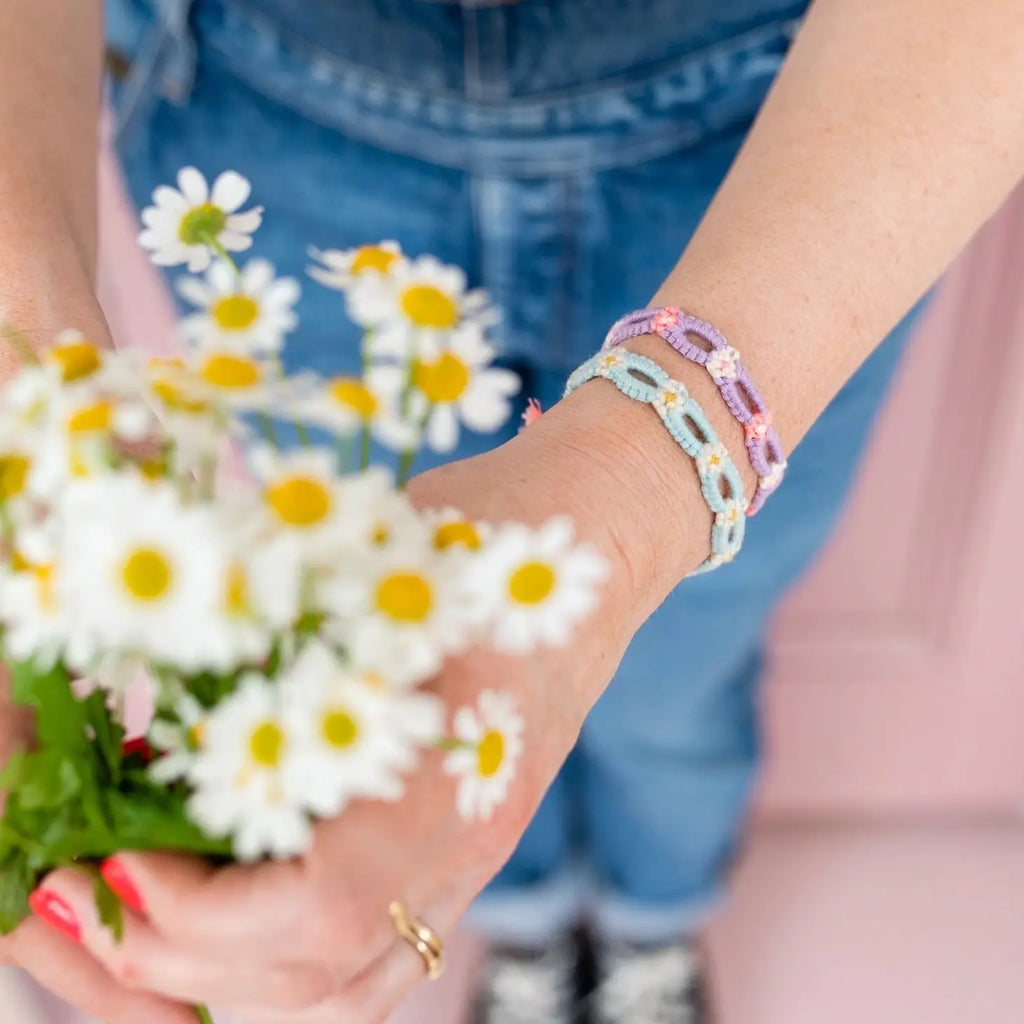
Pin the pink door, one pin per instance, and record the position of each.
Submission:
(898, 676)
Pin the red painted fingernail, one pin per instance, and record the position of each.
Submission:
(52, 909)
(116, 875)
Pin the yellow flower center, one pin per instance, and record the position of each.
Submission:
(147, 574)
(76, 360)
(197, 735)
(235, 312)
(90, 418)
(459, 533)
(491, 754)
(381, 535)
(13, 475)
(266, 744)
(231, 372)
(45, 590)
(340, 729)
(373, 257)
(531, 583)
(300, 501)
(442, 381)
(429, 307)
(353, 393)
(202, 224)
(405, 597)
(236, 591)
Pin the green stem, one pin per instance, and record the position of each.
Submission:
(214, 244)
(204, 1015)
(344, 450)
(300, 429)
(267, 429)
(364, 447)
(405, 466)
(451, 743)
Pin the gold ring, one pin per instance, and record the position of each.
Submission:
(423, 939)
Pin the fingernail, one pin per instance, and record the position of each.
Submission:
(52, 909)
(116, 875)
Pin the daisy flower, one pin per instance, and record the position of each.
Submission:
(139, 572)
(177, 741)
(399, 612)
(249, 312)
(457, 384)
(347, 405)
(188, 224)
(490, 739)
(75, 356)
(219, 377)
(354, 739)
(303, 495)
(241, 775)
(338, 268)
(261, 596)
(535, 585)
(451, 532)
(35, 621)
(414, 307)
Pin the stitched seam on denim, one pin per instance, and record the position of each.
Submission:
(784, 29)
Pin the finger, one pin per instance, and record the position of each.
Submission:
(146, 961)
(266, 912)
(256, 911)
(72, 974)
(374, 994)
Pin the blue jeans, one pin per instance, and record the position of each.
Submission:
(562, 151)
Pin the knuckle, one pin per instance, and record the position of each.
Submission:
(127, 968)
(300, 988)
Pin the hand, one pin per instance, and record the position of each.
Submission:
(310, 941)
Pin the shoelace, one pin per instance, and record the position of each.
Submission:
(646, 986)
(531, 991)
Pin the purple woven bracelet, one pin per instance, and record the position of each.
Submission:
(737, 388)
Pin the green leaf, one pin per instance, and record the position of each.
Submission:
(48, 779)
(17, 880)
(108, 905)
(107, 734)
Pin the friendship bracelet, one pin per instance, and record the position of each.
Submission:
(734, 382)
(644, 380)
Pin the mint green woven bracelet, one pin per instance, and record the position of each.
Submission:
(643, 380)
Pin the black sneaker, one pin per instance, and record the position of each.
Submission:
(529, 986)
(661, 984)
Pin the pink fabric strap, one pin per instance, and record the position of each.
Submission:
(734, 382)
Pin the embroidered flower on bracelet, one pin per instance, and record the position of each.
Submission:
(490, 744)
(774, 476)
(756, 428)
(731, 514)
(671, 398)
(338, 268)
(665, 319)
(608, 361)
(712, 459)
(723, 363)
(244, 775)
(536, 584)
(249, 313)
(188, 224)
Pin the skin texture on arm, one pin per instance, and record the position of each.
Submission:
(894, 131)
(51, 56)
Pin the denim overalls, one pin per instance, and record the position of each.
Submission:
(562, 152)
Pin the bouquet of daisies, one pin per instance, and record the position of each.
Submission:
(286, 604)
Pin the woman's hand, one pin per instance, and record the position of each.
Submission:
(311, 940)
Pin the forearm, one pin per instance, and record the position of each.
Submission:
(50, 72)
(895, 130)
